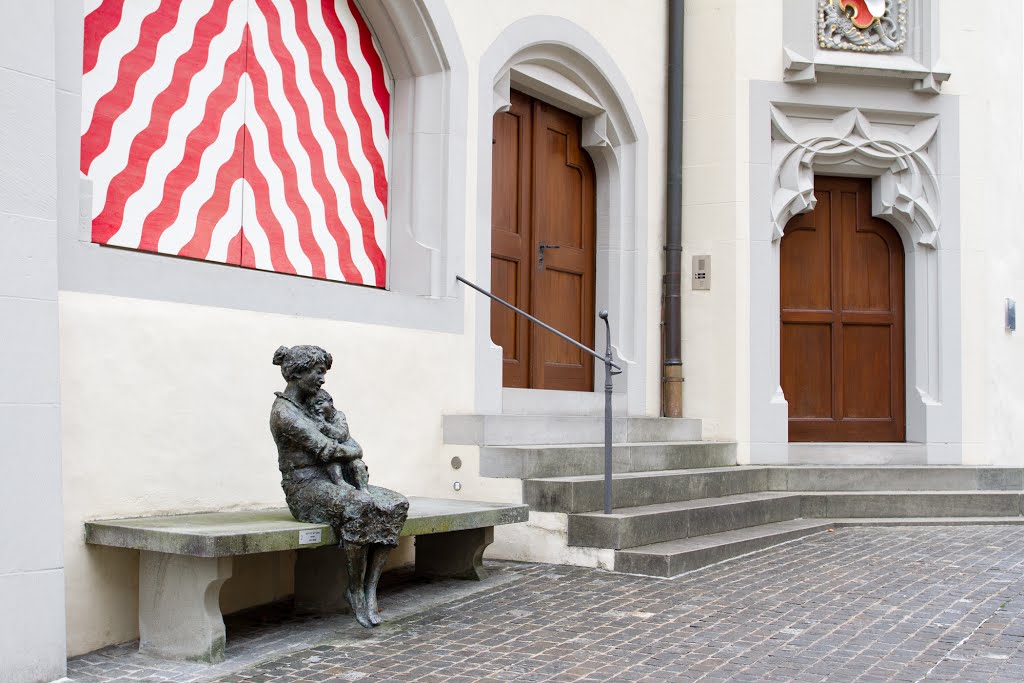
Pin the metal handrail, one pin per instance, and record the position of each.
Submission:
(610, 369)
(492, 297)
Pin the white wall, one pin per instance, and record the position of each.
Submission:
(167, 409)
(166, 404)
(983, 51)
(730, 43)
(714, 343)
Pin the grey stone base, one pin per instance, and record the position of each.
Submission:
(456, 554)
(179, 606)
(321, 579)
(179, 595)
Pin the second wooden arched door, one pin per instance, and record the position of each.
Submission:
(842, 321)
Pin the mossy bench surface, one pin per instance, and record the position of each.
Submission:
(245, 532)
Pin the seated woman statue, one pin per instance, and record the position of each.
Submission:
(367, 519)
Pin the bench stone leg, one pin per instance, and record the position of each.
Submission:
(321, 579)
(456, 554)
(179, 606)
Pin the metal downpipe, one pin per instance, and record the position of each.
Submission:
(672, 300)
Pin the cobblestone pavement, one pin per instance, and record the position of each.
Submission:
(860, 604)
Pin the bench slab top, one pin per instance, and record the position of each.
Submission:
(245, 532)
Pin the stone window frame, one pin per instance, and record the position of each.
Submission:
(426, 220)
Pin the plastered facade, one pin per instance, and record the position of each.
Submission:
(174, 356)
(164, 366)
(991, 175)
(186, 391)
(979, 164)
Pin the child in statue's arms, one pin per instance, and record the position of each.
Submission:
(353, 472)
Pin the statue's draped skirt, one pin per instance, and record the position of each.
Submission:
(375, 516)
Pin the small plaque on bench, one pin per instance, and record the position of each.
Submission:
(307, 536)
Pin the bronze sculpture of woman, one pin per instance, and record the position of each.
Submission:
(367, 519)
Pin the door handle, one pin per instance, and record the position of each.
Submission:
(540, 253)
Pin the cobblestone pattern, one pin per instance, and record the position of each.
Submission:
(860, 604)
(264, 633)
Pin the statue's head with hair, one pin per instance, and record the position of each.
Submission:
(299, 359)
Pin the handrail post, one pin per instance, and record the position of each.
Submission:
(607, 412)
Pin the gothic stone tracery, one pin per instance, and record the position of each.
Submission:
(901, 157)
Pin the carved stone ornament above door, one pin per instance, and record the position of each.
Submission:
(862, 25)
(901, 155)
(874, 42)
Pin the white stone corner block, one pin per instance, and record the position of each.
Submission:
(503, 93)
(595, 132)
(797, 68)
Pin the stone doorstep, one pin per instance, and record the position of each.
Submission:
(520, 430)
(561, 460)
(246, 532)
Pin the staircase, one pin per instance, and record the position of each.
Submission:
(681, 503)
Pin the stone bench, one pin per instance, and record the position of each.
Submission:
(185, 559)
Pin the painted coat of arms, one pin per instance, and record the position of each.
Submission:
(862, 25)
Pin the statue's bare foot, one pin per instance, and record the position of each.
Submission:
(358, 602)
(372, 610)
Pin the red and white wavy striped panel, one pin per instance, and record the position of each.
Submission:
(250, 132)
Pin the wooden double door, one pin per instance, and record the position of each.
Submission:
(842, 306)
(542, 245)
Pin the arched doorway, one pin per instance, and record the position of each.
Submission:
(542, 245)
(842, 319)
(556, 60)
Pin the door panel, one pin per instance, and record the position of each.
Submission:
(543, 202)
(505, 279)
(866, 346)
(841, 292)
(808, 242)
(563, 216)
(807, 361)
(866, 272)
(510, 237)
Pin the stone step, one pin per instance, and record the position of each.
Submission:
(561, 460)
(636, 526)
(879, 454)
(671, 558)
(525, 430)
(882, 478)
(833, 505)
(534, 402)
(927, 521)
(572, 494)
(636, 489)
